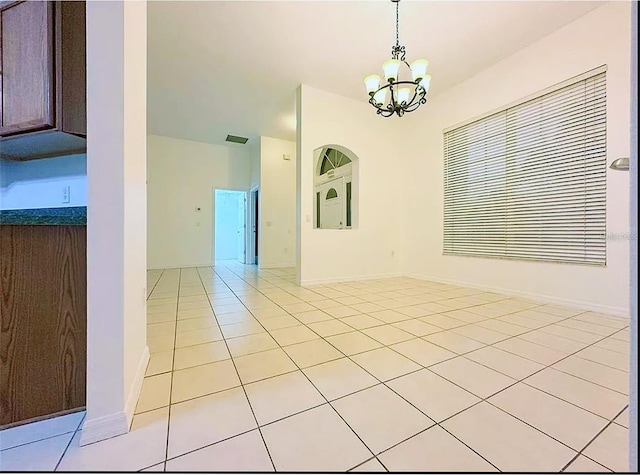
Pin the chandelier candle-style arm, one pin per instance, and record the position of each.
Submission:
(403, 95)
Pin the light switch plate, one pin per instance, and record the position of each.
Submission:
(66, 194)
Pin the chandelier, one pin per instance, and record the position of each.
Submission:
(404, 96)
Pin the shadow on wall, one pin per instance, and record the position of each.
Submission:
(43, 169)
(40, 183)
(335, 188)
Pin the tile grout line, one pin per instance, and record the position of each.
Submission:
(207, 446)
(64, 452)
(321, 394)
(240, 380)
(4, 449)
(173, 361)
(367, 461)
(155, 285)
(580, 452)
(380, 462)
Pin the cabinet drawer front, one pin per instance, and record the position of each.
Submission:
(27, 67)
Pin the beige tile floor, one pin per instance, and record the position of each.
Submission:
(250, 372)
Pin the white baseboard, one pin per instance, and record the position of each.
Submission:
(543, 298)
(275, 266)
(335, 280)
(95, 430)
(105, 427)
(170, 267)
(136, 385)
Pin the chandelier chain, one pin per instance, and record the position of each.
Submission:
(397, 51)
(397, 25)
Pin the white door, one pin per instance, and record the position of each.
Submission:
(242, 227)
(229, 225)
(332, 204)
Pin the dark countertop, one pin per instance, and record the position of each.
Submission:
(62, 216)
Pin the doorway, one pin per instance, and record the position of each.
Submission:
(331, 210)
(229, 216)
(253, 214)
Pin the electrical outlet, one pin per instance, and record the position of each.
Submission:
(66, 194)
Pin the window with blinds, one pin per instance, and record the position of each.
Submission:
(529, 182)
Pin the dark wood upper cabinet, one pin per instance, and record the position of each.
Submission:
(42, 79)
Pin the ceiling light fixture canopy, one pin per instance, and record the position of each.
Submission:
(404, 96)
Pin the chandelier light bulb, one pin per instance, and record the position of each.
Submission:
(390, 68)
(419, 69)
(426, 82)
(380, 97)
(372, 83)
(403, 95)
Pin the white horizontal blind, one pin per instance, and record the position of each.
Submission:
(529, 182)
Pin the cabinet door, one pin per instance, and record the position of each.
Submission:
(43, 337)
(27, 67)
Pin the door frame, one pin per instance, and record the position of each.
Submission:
(253, 214)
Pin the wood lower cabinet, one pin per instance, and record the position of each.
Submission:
(43, 311)
(42, 79)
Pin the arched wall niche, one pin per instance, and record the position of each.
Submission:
(335, 188)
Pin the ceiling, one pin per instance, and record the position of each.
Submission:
(232, 67)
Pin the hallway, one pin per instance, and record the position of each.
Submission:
(250, 372)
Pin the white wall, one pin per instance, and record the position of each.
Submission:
(117, 354)
(39, 183)
(182, 176)
(372, 249)
(600, 37)
(136, 353)
(254, 158)
(277, 233)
